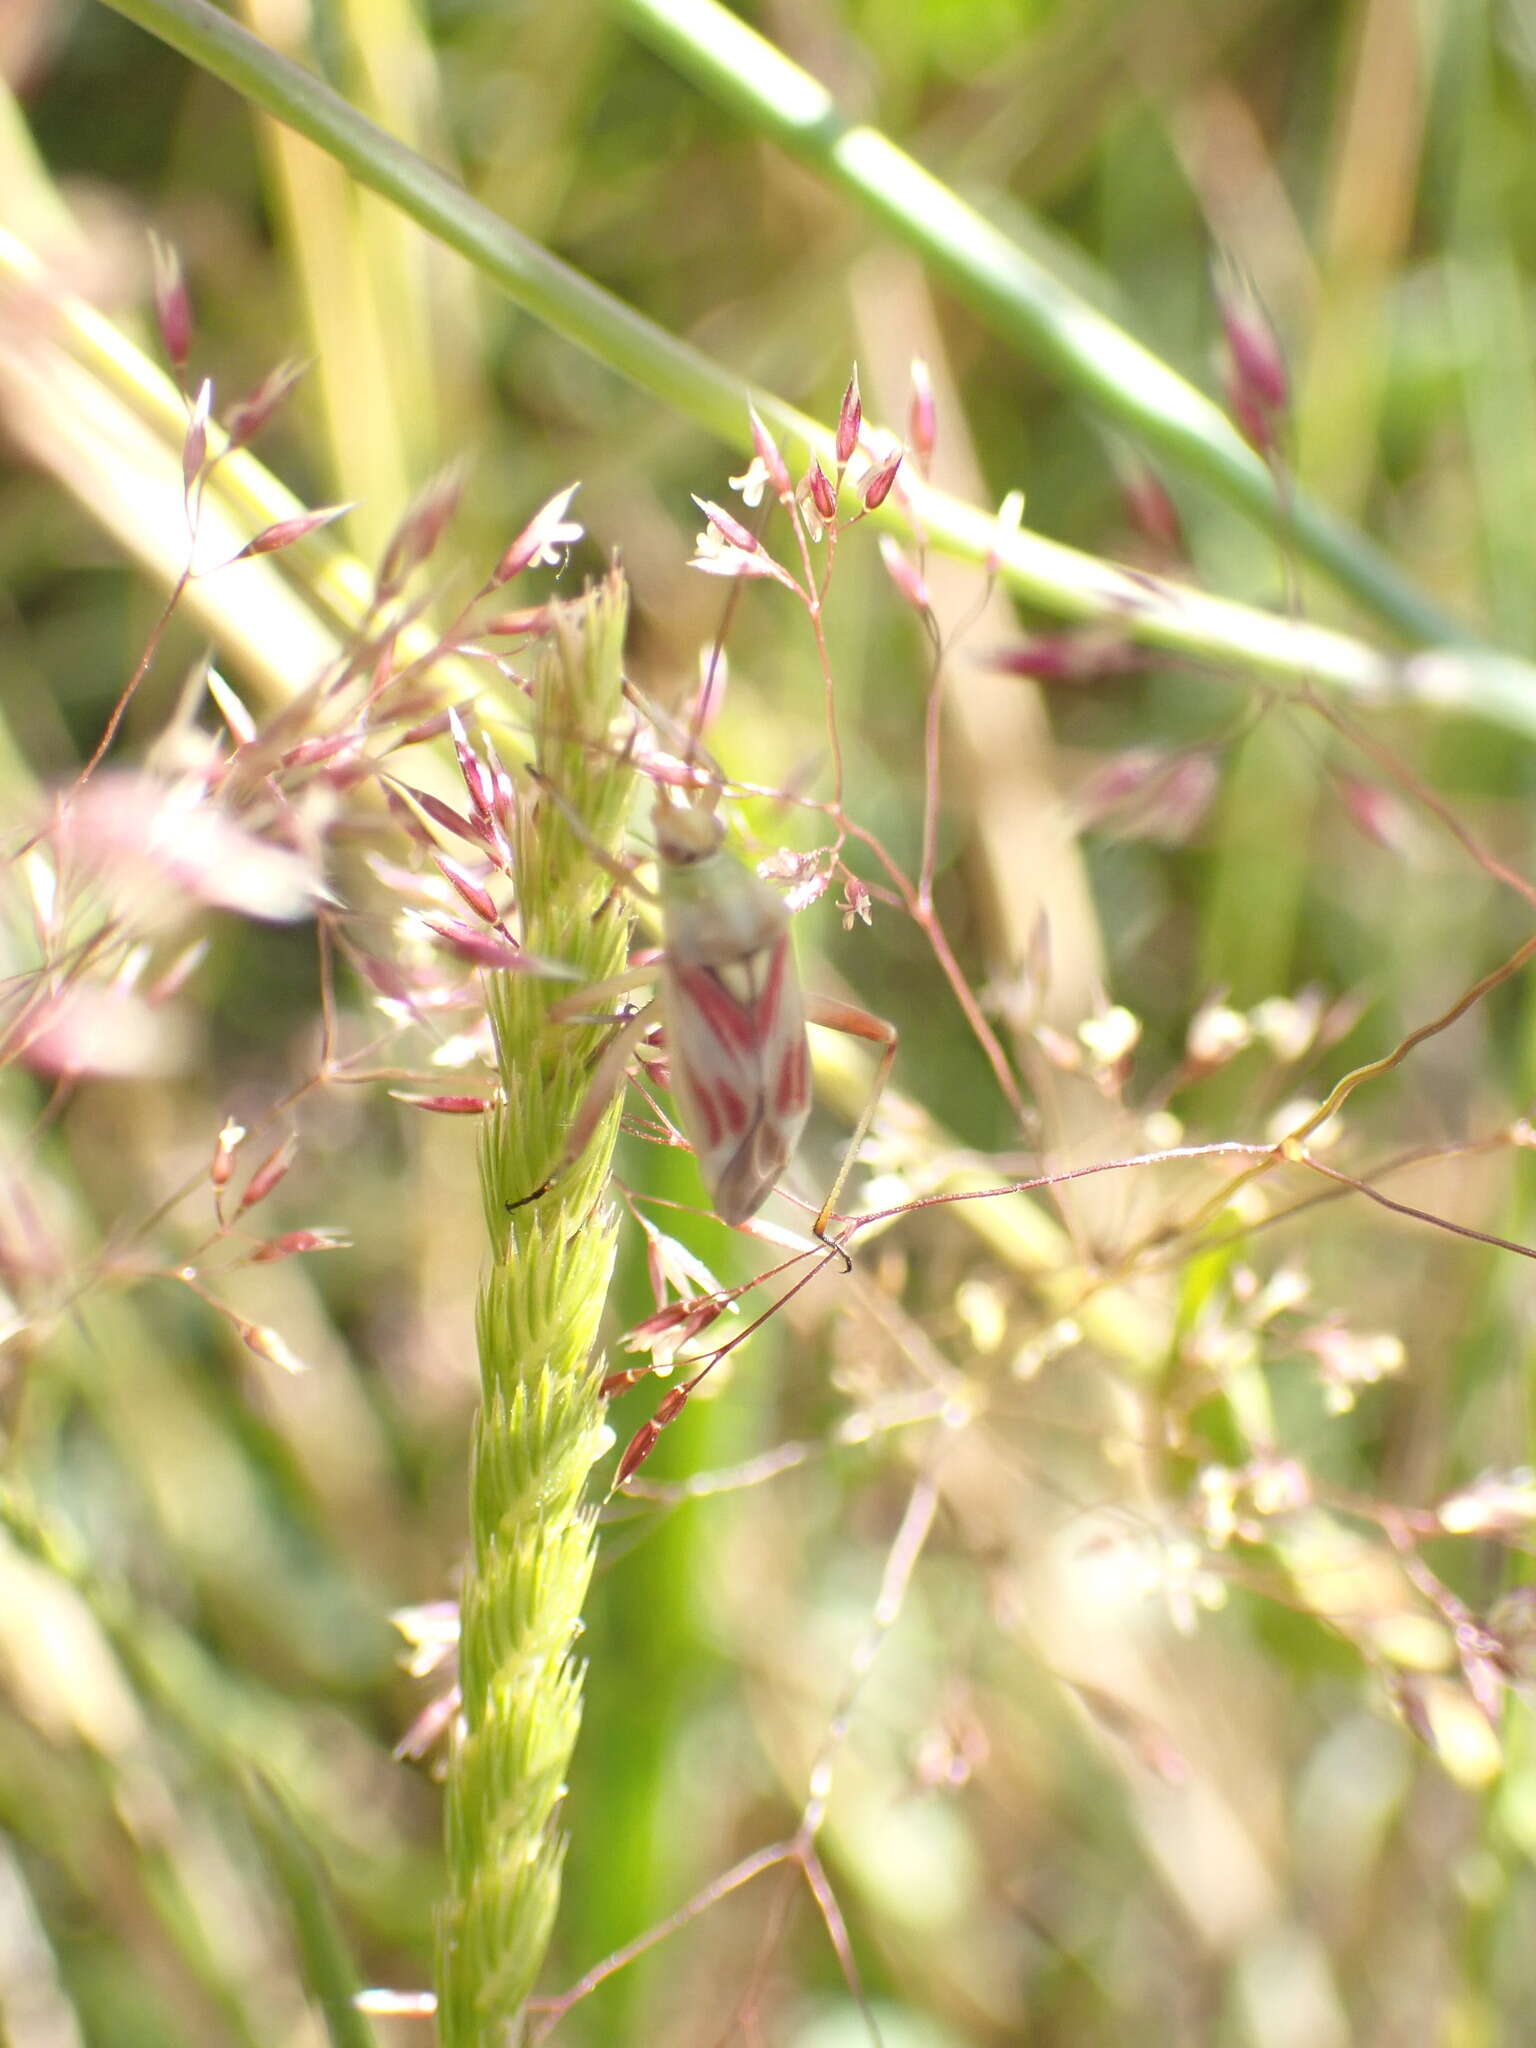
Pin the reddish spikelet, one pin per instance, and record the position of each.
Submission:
(1258, 389)
(1378, 813)
(434, 1720)
(769, 456)
(410, 885)
(1090, 656)
(656, 1068)
(645, 1438)
(1180, 804)
(530, 622)
(850, 417)
(294, 1242)
(416, 703)
(321, 747)
(823, 493)
(1122, 777)
(267, 1175)
(1150, 793)
(440, 813)
(347, 770)
(878, 487)
(730, 527)
(660, 1324)
(620, 1382)
(1483, 1673)
(542, 541)
(431, 728)
(673, 1326)
(479, 948)
(253, 412)
(1151, 509)
(857, 906)
(417, 535)
(267, 1344)
(435, 508)
(638, 1449)
(382, 673)
(470, 892)
(717, 554)
(1255, 355)
(222, 1164)
(922, 420)
(383, 976)
(477, 777)
(284, 532)
(699, 1319)
(673, 1406)
(1254, 423)
(904, 573)
(446, 1105)
(408, 818)
(173, 307)
(504, 790)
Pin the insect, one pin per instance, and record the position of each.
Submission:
(734, 1017)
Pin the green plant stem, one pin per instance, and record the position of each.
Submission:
(1059, 579)
(1024, 303)
(540, 1423)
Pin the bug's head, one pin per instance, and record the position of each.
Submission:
(686, 832)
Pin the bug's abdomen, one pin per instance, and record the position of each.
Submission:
(740, 1070)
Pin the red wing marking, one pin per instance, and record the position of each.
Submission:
(789, 1095)
(743, 1024)
(731, 1107)
(727, 1019)
(740, 1070)
(710, 1117)
(766, 1008)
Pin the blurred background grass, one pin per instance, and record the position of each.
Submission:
(1080, 1800)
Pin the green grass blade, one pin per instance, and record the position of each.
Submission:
(1059, 579)
(1043, 317)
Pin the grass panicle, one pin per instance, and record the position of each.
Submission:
(539, 1427)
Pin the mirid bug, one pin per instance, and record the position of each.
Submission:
(733, 1012)
(734, 1018)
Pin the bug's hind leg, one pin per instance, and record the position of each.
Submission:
(856, 1023)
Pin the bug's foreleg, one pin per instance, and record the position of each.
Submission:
(854, 1023)
(607, 1080)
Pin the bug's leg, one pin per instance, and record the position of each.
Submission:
(607, 1080)
(855, 1023)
